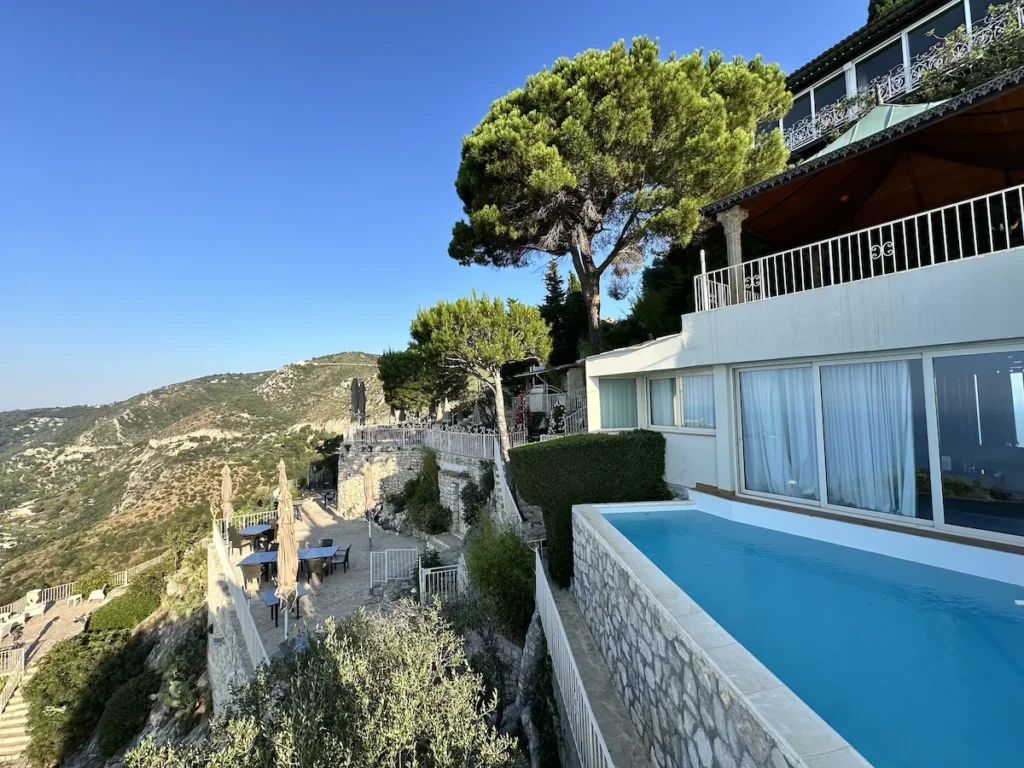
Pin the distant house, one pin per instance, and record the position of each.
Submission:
(872, 367)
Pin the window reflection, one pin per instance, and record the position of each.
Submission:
(927, 35)
(980, 406)
(879, 64)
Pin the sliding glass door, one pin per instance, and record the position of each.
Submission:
(780, 454)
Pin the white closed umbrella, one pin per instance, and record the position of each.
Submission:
(287, 549)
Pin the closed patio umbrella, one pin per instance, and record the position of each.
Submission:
(287, 549)
(227, 510)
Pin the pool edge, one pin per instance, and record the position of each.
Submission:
(802, 736)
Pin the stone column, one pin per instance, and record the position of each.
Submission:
(732, 222)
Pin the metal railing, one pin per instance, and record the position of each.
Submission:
(507, 507)
(983, 225)
(576, 423)
(901, 79)
(442, 582)
(515, 439)
(243, 609)
(394, 436)
(393, 565)
(12, 667)
(586, 734)
(243, 521)
(123, 578)
(474, 445)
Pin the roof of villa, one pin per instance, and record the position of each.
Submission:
(959, 145)
(859, 42)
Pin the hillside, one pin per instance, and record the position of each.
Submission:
(83, 485)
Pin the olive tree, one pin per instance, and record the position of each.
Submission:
(609, 156)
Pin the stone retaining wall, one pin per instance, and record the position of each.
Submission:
(389, 469)
(685, 710)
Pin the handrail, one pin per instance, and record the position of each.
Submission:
(976, 227)
(243, 610)
(12, 667)
(586, 733)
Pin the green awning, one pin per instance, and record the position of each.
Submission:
(878, 119)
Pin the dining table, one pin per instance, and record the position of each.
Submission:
(305, 555)
(273, 602)
(256, 531)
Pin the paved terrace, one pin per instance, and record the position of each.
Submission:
(341, 593)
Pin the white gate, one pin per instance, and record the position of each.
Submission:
(393, 565)
(442, 582)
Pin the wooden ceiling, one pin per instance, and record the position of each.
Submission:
(973, 152)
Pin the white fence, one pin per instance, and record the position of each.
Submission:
(903, 79)
(515, 439)
(474, 445)
(243, 609)
(983, 225)
(442, 582)
(241, 522)
(393, 565)
(12, 667)
(395, 436)
(586, 734)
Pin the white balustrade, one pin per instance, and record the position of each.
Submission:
(442, 582)
(586, 734)
(393, 565)
(976, 227)
(397, 436)
(12, 667)
(240, 601)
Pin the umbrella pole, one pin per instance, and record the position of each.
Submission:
(287, 611)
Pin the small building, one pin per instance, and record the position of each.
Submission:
(872, 367)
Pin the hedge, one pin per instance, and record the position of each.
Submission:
(126, 712)
(140, 600)
(587, 469)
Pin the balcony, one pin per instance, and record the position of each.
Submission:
(904, 78)
(982, 225)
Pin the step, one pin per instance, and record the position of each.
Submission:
(13, 745)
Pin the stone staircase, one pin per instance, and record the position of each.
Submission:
(13, 733)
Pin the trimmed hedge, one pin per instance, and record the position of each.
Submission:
(587, 469)
(126, 712)
(140, 599)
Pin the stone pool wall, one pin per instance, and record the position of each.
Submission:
(685, 710)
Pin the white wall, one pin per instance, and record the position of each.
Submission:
(691, 459)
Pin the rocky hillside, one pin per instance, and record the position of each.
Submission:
(84, 485)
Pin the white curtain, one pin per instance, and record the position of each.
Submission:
(663, 402)
(780, 454)
(699, 401)
(618, 403)
(869, 436)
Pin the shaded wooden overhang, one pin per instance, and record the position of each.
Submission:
(968, 146)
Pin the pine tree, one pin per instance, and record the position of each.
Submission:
(879, 8)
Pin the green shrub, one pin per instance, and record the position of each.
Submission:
(126, 712)
(70, 689)
(140, 600)
(377, 690)
(501, 567)
(422, 499)
(96, 578)
(587, 469)
(474, 503)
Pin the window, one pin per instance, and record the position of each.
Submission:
(663, 402)
(979, 401)
(801, 109)
(979, 10)
(876, 442)
(879, 64)
(928, 34)
(699, 401)
(618, 403)
(832, 92)
(780, 454)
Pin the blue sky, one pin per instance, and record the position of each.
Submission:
(197, 187)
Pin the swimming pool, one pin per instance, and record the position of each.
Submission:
(915, 666)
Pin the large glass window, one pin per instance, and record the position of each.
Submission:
(801, 109)
(663, 402)
(928, 34)
(879, 64)
(618, 403)
(780, 454)
(876, 444)
(980, 406)
(699, 401)
(980, 8)
(830, 93)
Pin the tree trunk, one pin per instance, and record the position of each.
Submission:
(591, 285)
(499, 407)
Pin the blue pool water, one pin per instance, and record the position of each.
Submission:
(915, 666)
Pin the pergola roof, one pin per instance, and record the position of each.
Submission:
(966, 146)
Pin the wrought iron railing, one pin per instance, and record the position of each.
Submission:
(902, 79)
(983, 225)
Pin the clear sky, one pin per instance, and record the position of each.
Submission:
(191, 187)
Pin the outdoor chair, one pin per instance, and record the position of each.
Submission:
(98, 595)
(33, 607)
(236, 539)
(315, 568)
(341, 560)
(251, 573)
